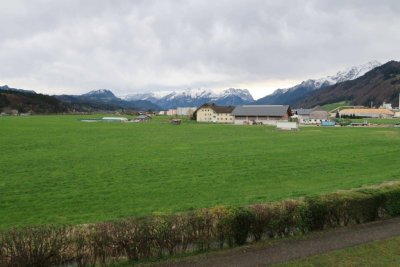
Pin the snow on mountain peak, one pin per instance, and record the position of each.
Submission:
(195, 97)
(290, 95)
(344, 75)
(355, 71)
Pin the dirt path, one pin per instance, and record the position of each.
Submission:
(285, 250)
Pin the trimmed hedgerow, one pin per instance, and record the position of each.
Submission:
(162, 235)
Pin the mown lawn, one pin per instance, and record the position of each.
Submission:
(378, 253)
(56, 169)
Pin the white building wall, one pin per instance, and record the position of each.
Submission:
(207, 114)
(185, 111)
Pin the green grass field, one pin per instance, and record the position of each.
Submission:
(391, 121)
(378, 253)
(56, 169)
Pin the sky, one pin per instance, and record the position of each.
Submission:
(137, 46)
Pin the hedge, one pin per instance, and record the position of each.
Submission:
(212, 228)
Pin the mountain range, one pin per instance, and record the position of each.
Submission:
(381, 84)
(196, 97)
(360, 85)
(104, 99)
(13, 99)
(292, 96)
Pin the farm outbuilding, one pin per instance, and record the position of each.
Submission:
(261, 114)
(367, 112)
(142, 118)
(312, 115)
(176, 121)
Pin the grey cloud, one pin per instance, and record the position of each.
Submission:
(134, 46)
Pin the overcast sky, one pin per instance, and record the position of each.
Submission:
(73, 46)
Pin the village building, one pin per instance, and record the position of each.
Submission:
(367, 112)
(261, 114)
(314, 115)
(171, 112)
(386, 105)
(185, 111)
(214, 113)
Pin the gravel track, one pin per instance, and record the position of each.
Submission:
(290, 249)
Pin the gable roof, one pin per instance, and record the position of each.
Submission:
(218, 109)
(307, 111)
(303, 111)
(261, 110)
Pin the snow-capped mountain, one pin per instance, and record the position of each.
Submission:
(291, 95)
(195, 97)
(375, 87)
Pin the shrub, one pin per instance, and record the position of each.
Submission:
(263, 214)
(392, 202)
(35, 246)
(242, 220)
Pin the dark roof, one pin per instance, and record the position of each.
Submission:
(307, 111)
(261, 110)
(218, 109)
(303, 111)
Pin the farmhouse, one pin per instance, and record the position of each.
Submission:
(261, 114)
(214, 113)
(367, 112)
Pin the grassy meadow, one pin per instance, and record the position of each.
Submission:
(57, 169)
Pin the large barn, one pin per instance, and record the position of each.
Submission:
(261, 114)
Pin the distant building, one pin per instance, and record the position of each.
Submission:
(367, 112)
(214, 113)
(185, 111)
(311, 116)
(261, 114)
(387, 106)
(171, 112)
